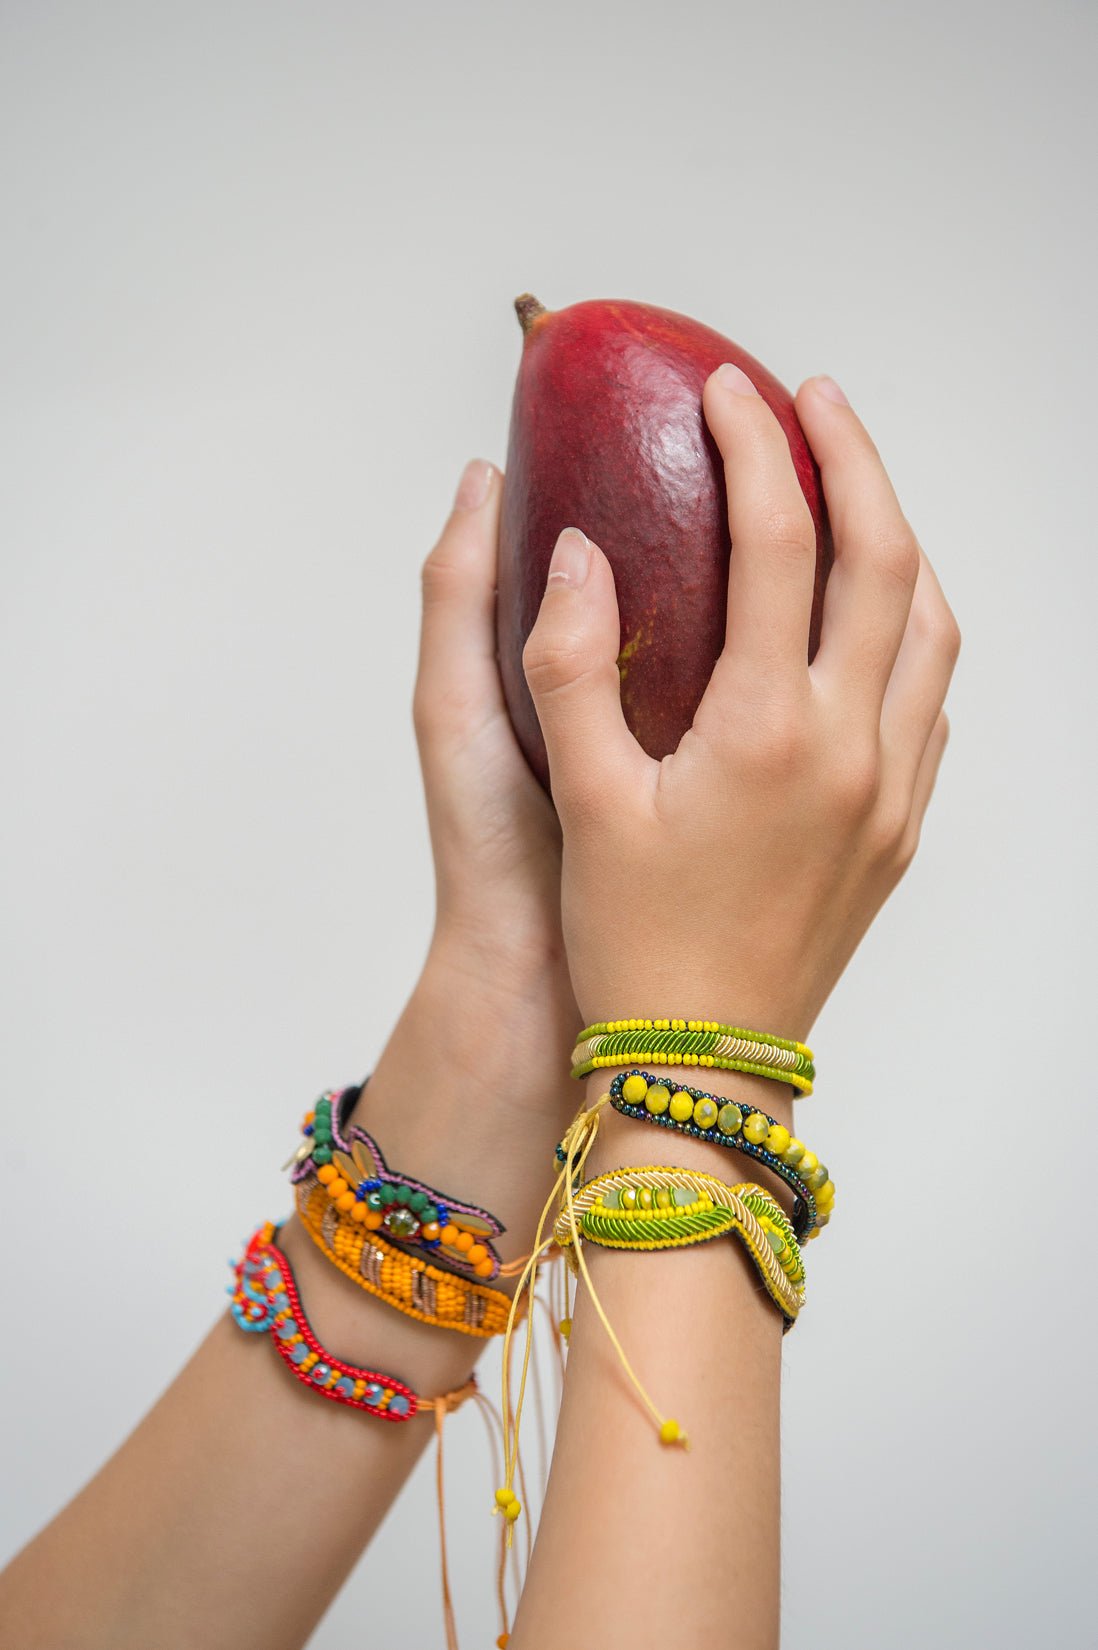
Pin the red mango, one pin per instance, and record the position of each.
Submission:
(608, 435)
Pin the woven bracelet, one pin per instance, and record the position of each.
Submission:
(653, 1207)
(705, 1043)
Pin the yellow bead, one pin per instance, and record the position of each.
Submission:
(504, 1497)
(825, 1197)
(755, 1128)
(705, 1113)
(566, 1327)
(657, 1099)
(777, 1139)
(808, 1162)
(682, 1106)
(793, 1152)
(670, 1433)
(644, 1197)
(663, 1198)
(627, 1197)
(633, 1090)
(512, 1510)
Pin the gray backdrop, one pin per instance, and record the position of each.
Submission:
(257, 277)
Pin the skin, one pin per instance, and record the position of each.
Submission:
(812, 781)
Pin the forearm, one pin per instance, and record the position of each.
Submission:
(658, 1543)
(234, 1511)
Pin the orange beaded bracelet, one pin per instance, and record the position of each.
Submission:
(413, 1286)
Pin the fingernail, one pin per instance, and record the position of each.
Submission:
(831, 391)
(571, 559)
(473, 486)
(733, 378)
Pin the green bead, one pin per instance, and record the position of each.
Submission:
(418, 1201)
(322, 1154)
(374, 1200)
(729, 1118)
(388, 1194)
(402, 1223)
(816, 1179)
(322, 1136)
(793, 1153)
(429, 1213)
(403, 1195)
(657, 1099)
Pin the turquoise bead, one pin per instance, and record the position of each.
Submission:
(398, 1404)
(322, 1154)
(299, 1353)
(344, 1386)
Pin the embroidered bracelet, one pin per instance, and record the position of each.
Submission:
(349, 1164)
(653, 1207)
(409, 1283)
(265, 1299)
(693, 1043)
(739, 1126)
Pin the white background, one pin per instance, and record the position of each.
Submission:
(255, 313)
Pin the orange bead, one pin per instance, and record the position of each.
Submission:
(476, 1253)
(463, 1241)
(346, 1202)
(449, 1232)
(359, 1211)
(372, 1217)
(484, 1269)
(431, 1230)
(336, 1187)
(327, 1174)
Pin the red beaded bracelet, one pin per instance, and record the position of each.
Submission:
(265, 1299)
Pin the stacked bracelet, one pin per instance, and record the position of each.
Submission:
(265, 1299)
(348, 1162)
(739, 1126)
(670, 1208)
(675, 1042)
(411, 1284)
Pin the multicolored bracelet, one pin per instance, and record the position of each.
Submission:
(265, 1300)
(739, 1126)
(348, 1162)
(654, 1207)
(675, 1042)
(411, 1284)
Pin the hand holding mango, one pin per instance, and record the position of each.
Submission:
(742, 724)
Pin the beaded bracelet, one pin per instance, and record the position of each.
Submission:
(265, 1299)
(349, 1163)
(653, 1207)
(412, 1285)
(694, 1043)
(739, 1126)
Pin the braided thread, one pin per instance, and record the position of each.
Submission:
(686, 1049)
(627, 1230)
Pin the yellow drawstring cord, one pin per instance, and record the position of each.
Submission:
(578, 1141)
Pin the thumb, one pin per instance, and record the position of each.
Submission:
(570, 661)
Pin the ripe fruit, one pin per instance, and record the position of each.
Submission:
(608, 435)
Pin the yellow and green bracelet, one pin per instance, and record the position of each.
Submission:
(706, 1043)
(654, 1207)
